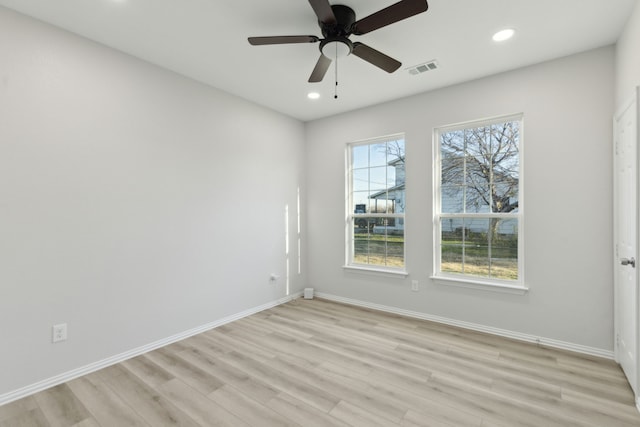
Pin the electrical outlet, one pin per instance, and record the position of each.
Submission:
(59, 332)
(414, 286)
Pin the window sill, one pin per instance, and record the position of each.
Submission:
(377, 271)
(480, 285)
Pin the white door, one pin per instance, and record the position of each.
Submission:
(626, 240)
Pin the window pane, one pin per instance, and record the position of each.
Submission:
(395, 151)
(360, 202)
(360, 180)
(378, 242)
(360, 156)
(378, 154)
(452, 170)
(381, 204)
(452, 144)
(377, 185)
(485, 247)
(489, 168)
(504, 249)
(452, 199)
(363, 225)
(397, 196)
(505, 198)
(378, 178)
(479, 174)
(451, 248)
(476, 256)
(395, 243)
(505, 136)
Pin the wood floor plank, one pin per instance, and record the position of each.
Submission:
(199, 379)
(498, 407)
(150, 372)
(61, 407)
(148, 403)
(320, 363)
(231, 344)
(356, 416)
(247, 384)
(356, 390)
(249, 410)
(595, 411)
(90, 422)
(29, 418)
(18, 407)
(434, 416)
(310, 394)
(105, 405)
(205, 411)
(303, 413)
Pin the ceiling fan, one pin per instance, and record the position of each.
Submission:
(337, 23)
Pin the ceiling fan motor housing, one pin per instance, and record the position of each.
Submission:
(336, 43)
(345, 18)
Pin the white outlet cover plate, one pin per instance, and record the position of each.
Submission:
(59, 332)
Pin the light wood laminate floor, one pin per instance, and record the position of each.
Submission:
(319, 363)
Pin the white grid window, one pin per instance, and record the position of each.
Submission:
(376, 203)
(478, 201)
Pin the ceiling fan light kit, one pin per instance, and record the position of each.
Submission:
(335, 49)
(337, 23)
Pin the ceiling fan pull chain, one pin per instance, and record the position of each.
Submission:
(335, 96)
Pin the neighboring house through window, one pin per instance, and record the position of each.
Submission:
(478, 202)
(376, 204)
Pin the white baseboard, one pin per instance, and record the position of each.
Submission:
(475, 327)
(92, 367)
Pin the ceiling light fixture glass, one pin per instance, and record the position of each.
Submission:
(503, 35)
(336, 49)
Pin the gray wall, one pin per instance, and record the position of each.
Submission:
(628, 59)
(135, 204)
(567, 106)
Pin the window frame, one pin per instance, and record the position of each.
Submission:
(467, 280)
(351, 216)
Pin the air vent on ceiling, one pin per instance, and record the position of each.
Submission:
(423, 68)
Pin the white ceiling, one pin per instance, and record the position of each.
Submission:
(207, 41)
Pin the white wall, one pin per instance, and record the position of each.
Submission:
(567, 106)
(135, 204)
(628, 59)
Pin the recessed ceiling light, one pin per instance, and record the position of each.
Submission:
(503, 35)
(313, 95)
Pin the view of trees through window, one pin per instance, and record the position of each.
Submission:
(377, 203)
(479, 200)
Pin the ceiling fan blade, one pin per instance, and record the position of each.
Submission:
(375, 57)
(394, 13)
(323, 11)
(320, 69)
(257, 41)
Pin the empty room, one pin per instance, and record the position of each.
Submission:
(318, 213)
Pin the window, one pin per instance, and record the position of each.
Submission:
(376, 204)
(478, 202)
